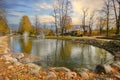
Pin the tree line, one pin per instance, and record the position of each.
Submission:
(4, 29)
(105, 19)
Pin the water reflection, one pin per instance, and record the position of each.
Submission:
(62, 53)
(21, 45)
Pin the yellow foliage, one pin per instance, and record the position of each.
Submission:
(49, 32)
(68, 27)
(3, 25)
(25, 25)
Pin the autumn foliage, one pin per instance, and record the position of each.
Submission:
(25, 25)
(4, 29)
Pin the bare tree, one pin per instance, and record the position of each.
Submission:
(37, 24)
(100, 24)
(62, 11)
(106, 10)
(117, 14)
(85, 14)
(55, 19)
(91, 20)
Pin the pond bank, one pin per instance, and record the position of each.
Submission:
(17, 66)
(109, 45)
(113, 46)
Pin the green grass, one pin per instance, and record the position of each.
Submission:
(64, 37)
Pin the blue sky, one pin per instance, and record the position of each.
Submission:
(43, 8)
(17, 8)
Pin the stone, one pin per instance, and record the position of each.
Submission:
(61, 69)
(18, 55)
(116, 64)
(34, 68)
(9, 67)
(71, 75)
(17, 63)
(25, 60)
(103, 68)
(34, 72)
(7, 62)
(117, 76)
(84, 75)
(6, 57)
(84, 69)
(51, 75)
(9, 58)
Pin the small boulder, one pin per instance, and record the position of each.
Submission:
(10, 59)
(116, 64)
(51, 75)
(17, 63)
(71, 75)
(18, 55)
(34, 68)
(103, 68)
(117, 76)
(64, 69)
(84, 75)
(25, 60)
(9, 67)
(6, 57)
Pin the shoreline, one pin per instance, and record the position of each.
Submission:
(112, 46)
(18, 66)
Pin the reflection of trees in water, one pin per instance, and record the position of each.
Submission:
(55, 54)
(85, 55)
(90, 56)
(101, 55)
(26, 46)
(65, 51)
(62, 53)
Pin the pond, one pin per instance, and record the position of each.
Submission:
(61, 53)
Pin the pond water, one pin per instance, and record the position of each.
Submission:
(61, 53)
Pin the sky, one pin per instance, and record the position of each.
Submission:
(43, 8)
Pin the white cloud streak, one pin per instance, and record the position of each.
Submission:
(17, 14)
(78, 5)
(43, 6)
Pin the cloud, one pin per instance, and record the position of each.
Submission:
(16, 14)
(43, 6)
(78, 5)
(46, 19)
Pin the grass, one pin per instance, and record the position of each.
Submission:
(64, 37)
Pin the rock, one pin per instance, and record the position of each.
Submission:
(51, 75)
(117, 76)
(6, 57)
(34, 68)
(84, 69)
(116, 64)
(25, 60)
(34, 72)
(103, 68)
(7, 62)
(18, 55)
(77, 70)
(17, 63)
(9, 67)
(61, 69)
(9, 58)
(71, 75)
(84, 75)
